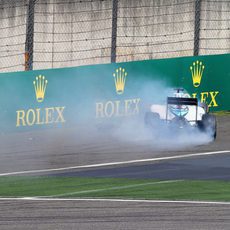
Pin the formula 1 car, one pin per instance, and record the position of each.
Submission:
(181, 112)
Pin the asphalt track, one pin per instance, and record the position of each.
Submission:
(215, 167)
(54, 149)
(99, 215)
(58, 148)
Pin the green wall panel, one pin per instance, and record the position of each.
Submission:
(78, 95)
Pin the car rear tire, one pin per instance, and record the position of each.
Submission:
(208, 125)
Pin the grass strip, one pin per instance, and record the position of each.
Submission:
(221, 113)
(79, 187)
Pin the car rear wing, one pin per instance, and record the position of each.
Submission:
(181, 101)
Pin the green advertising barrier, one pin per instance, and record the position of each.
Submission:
(99, 93)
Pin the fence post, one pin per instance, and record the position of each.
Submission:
(197, 27)
(114, 31)
(29, 46)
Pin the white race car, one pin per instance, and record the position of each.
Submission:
(182, 112)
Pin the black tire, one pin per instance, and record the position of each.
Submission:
(208, 125)
(152, 119)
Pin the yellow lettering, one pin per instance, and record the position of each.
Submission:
(118, 109)
(60, 117)
(127, 106)
(20, 117)
(99, 110)
(203, 96)
(194, 95)
(39, 117)
(206, 96)
(109, 109)
(49, 115)
(30, 117)
(136, 109)
(213, 102)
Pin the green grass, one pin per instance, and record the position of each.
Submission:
(69, 187)
(221, 113)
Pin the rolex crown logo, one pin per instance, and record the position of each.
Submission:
(119, 79)
(197, 69)
(40, 84)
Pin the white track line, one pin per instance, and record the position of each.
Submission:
(116, 163)
(115, 200)
(114, 188)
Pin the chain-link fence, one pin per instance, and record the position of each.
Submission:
(39, 34)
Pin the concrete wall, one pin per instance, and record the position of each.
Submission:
(12, 34)
(155, 29)
(215, 27)
(74, 32)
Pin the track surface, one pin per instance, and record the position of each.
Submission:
(30, 151)
(60, 148)
(112, 215)
(215, 167)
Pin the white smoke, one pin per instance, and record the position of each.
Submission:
(162, 136)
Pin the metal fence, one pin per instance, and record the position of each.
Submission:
(40, 34)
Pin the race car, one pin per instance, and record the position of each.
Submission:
(181, 112)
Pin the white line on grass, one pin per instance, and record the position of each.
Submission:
(113, 200)
(116, 163)
(114, 188)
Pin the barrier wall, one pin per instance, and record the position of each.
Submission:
(100, 93)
